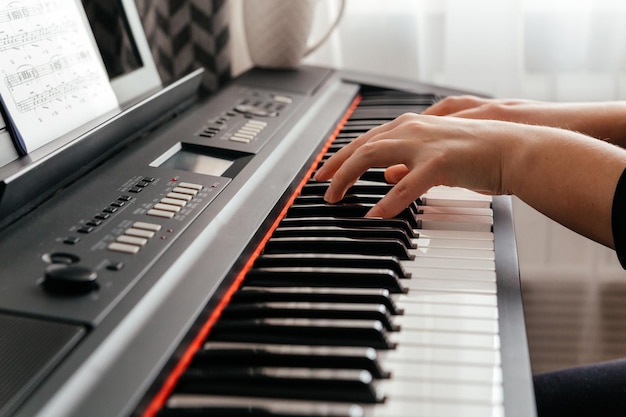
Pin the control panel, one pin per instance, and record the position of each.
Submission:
(86, 247)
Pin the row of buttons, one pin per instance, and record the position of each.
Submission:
(248, 132)
(175, 200)
(97, 220)
(112, 208)
(215, 127)
(140, 185)
(134, 237)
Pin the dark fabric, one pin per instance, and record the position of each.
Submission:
(618, 220)
(185, 35)
(590, 391)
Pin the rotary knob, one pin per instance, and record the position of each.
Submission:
(69, 279)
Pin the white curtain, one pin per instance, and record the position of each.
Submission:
(542, 49)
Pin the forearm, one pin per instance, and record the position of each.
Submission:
(568, 177)
(603, 120)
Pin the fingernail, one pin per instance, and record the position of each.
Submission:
(372, 213)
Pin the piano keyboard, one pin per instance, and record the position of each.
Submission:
(345, 316)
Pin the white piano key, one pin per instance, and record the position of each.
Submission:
(433, 297)
(455, 234)
(402, 407)
(458, 192)
(452, 200)
(428, 242)
(454, 274)
(446, 263)
(446, 310)
(471, 211)
(413, 353)
(442, 391)
(461, 340)
(482, 374)
(453, 196)
(449, 324)
(455, 222)
(416, 284)
(454, 253)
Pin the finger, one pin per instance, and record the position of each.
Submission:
(374, 153)
(395, 173)
(328, 170)
(410, 187)
(454, 104)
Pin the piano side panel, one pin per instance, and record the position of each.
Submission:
(518, 389)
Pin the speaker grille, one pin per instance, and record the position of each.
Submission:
(29, 349)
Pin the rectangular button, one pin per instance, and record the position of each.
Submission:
(147, 226)
(190, 185)
(179, 196)
(174, 201)
(132, 240)
(160, 213)
(238, 139)
(244, 135)
(167, 207)
(139, 233)
(123, 247)
(184, 190)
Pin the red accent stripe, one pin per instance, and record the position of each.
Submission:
(161, 397)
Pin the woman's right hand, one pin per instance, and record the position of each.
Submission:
(602, 120)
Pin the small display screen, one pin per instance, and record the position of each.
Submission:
(188, 160)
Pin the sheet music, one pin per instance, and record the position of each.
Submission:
(52, 77)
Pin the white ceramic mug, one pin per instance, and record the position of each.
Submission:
(278, 31)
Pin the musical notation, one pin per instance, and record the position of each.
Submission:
(52, 79)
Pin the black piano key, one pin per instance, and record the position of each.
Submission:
(181, 405)
(365, 124)
(357, 129)
(293, 383)
(383, 112)
(374, 174)
(318, 294)
(342, 210)
(347, 199)
(255, 354)
(325, 277)
(337, 231)
(364, 199)
(345, 139)
(327, 210)
(319, 188)
(331, 260)
(368, 333)
(309, 310)
(394, 223)
(418, 101)
(393, 247)
(334, 148)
